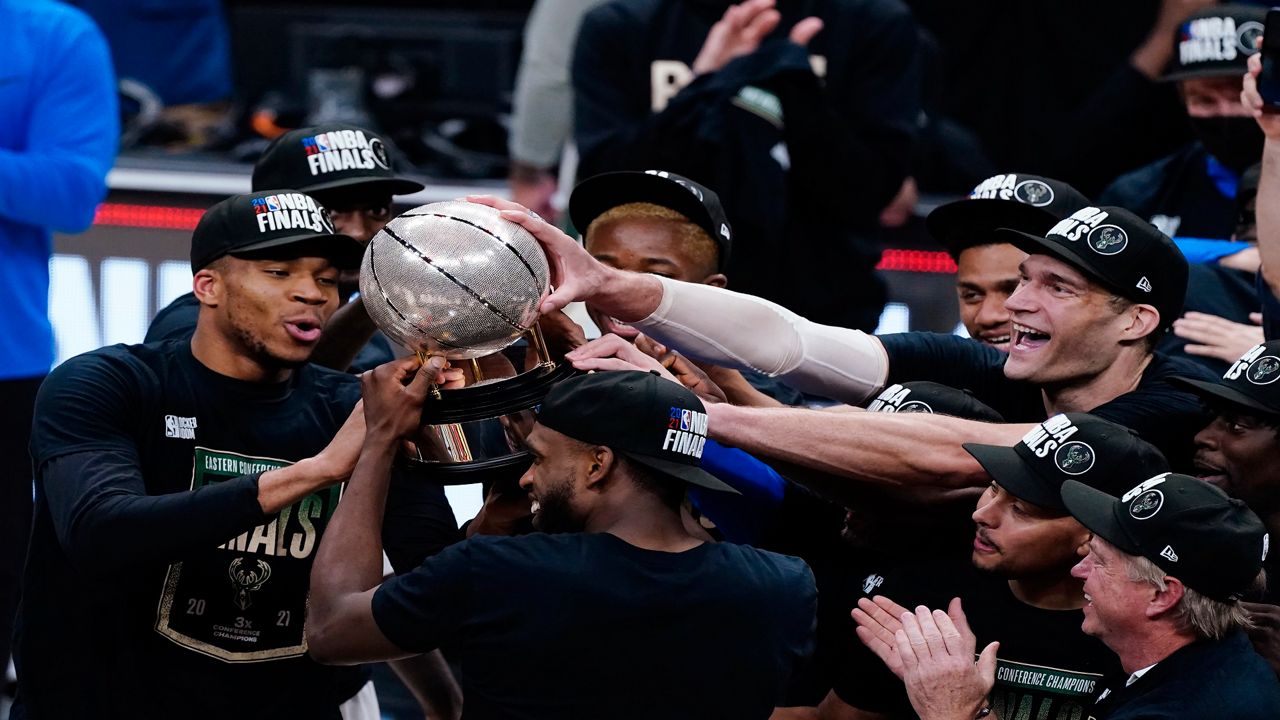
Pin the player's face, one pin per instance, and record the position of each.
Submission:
(559, 464)
(273, 311)
(985, 277)
(1238, 453)
(647, 245)
(1213, 97)
(360, 219)
(1065, 328)
(1113, 603)
(1016, 539)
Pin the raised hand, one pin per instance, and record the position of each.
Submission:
(610, 352)
(942, 680)
(878, 624)
(684, 370)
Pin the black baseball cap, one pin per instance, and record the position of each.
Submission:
(1068, 446)
(1030, 203)
(598, 194)
(923, 396)
(1216, 42)
(271, 219)
(1118, 249)
(1252, 382)
(1192, 530)
(651, 420)
(330, 157)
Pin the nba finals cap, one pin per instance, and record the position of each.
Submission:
(270, 220)
(598, 194)
(1118, 249)
(1030, 203)
(330, 157)
(1250, 383)
(642, 415)
(1192, 530)
(1216, 42)
(922, 396)
(1070, 446)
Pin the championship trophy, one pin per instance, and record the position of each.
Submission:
(455, 279)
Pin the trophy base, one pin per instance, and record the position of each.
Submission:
(472, 433)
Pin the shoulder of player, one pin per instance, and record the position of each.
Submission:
(622, 13)
(123, 365)
(340, 387)
(1162, 367)
(1135, 186)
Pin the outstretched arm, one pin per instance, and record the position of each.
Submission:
(913, 455)
(711, 324)
(348, 566)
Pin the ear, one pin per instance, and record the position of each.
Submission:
(1143, 320)
(207, 285)
(1162, 601)
(602, 461)
(716, 280)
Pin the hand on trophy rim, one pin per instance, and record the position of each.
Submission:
(574, 273)
(394, 392)
(610, 352)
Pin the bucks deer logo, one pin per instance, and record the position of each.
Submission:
(247, 580)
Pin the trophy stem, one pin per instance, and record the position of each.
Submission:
(476, 372)
(539, 344)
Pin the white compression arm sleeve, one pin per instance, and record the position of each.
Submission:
(748, 333)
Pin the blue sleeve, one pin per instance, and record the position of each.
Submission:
(1201, 250)
(73, 124)
(741, 518)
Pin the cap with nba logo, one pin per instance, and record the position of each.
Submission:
(923, 396)
(1030, 203)
(1216, 42)
(1069, 446)
(651, 420)
(1251, 383)
(330, 157)
(269, 223)
(598, 194)
(1119, 250)
(1192, 530)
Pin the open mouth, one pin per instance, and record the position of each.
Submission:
(305, 331)
(982, 545)
(1211, 474)
(1088, 600)
(534, 506)
(1029, 338)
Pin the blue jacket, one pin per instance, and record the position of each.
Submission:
(59, 128)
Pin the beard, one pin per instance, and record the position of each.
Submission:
(555, 514)
(256, 349)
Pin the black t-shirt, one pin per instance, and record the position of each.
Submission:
(1162, 414)
(155, 585)
(1047, 667)
(1176, 195)
(588, 626)
(177, 321)
(1206, 679)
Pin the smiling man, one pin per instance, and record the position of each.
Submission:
(987, 266)
(616, 611)
(182, 488)
(1093, 295)
(1017, 587)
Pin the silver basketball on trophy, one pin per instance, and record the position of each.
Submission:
(454, 279)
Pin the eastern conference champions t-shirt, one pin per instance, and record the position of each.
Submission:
(1047, 667)
(156, 586)
(586, 626)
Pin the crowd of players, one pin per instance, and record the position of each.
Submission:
(743, 507)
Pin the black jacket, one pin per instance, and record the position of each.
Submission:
(1206, 679)
(802, 165)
